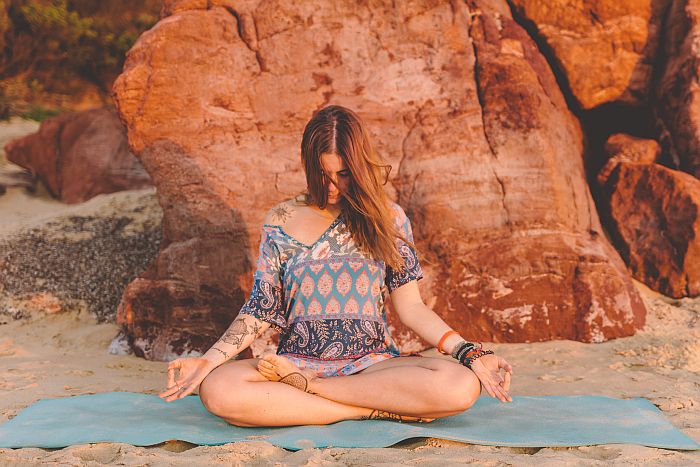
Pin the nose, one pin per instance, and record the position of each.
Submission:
(332, 188)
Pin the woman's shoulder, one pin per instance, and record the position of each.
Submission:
(397, 213)
(283, 211)
(280, 213)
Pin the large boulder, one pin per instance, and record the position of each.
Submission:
(532, 264)
(622, 147)
(605, 49)
(80, 155)
(655, 221)
(678, 93)
(486, 156)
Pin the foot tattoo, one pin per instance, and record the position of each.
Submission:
(296, 380)
(383, 415)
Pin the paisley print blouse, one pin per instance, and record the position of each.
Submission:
(327, 299)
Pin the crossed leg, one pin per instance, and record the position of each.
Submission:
(409, 386)
(239, 394)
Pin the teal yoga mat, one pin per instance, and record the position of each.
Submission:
(143, 420)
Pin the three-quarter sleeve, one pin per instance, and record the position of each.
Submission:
(266, 301)
(412, 271)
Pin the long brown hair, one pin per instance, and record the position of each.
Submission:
(365, 205)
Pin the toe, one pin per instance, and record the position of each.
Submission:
(270, 375)
(275, 359)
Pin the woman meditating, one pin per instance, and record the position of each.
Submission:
(327, 259)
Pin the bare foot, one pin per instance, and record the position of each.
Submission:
(278, 368)
(382, 415)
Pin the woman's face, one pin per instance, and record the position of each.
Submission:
(337, 172)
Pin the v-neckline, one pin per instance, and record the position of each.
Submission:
(323, 235)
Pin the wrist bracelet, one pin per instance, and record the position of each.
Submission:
(463, 347)
(443, 339)
(469, 357)
(457, 348)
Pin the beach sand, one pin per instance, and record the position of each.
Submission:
(53, 348)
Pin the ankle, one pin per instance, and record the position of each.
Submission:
(314, 383)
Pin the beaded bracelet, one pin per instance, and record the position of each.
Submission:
(467, 352)
(464, 346)
(470, 357)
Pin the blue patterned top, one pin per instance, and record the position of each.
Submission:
(327, 298)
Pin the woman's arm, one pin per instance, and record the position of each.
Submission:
(428, 325)
(239, 335)
(416, 315)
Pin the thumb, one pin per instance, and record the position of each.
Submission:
(502, 363)
(172, 366)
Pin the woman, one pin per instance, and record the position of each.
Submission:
(326, 260)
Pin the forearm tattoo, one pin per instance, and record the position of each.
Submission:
(238, 331)
(221, 351)
(236, 335)
(280, 214)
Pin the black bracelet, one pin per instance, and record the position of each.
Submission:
(464, 347)
(463, 351)
(457, 348)
(468, 361)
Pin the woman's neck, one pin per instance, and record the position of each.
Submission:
(331, 211)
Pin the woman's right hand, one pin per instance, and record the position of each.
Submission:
(192, 371)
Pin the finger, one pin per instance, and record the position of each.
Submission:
(489, 390)
(163, 394)
(187, 390)
(176, 391)
(505, 365)
(172, 366)
(172, 391)
(505, 395)
(168, 392)
(506, 383)
(493, 390)
(498, 378)
(171, 377)
(500, 394)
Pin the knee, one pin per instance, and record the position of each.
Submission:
(210, 393)
(215, 393)
(460, 389)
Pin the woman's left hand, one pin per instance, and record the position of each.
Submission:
(488, 369)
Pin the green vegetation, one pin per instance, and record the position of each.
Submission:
(57, 54)
(93, 47)
(39, 113)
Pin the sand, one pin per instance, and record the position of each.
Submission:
(54, 350)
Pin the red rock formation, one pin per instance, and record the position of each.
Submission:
(534, 265)
(605, 48)
(486, 157)
(625, 148)
(678, 95)
(655, 213)
(80, 155)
